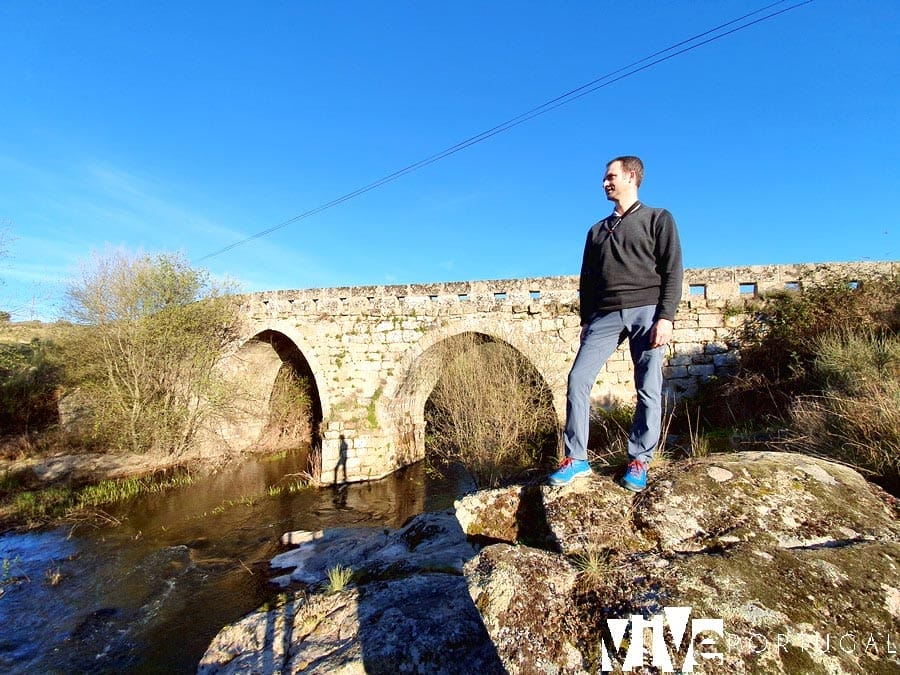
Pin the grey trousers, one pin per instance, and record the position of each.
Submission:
(605, 332)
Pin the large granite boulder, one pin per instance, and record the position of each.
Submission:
(798, 557)
(751, 562)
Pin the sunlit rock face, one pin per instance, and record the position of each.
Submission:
(782, 563)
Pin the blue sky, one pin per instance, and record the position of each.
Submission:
(188, 126)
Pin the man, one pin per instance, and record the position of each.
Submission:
(630, 287)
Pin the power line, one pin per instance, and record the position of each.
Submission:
(617, 75)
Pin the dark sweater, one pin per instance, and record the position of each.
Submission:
(638, 264)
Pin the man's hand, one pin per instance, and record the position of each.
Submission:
(661, 333)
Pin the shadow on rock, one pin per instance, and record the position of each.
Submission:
(406, 607)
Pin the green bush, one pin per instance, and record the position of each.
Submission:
(780, 343)
(29, 378)
(822, 365)
(144, 356)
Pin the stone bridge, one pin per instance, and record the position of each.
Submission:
(372, 352)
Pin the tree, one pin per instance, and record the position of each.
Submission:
(150, 331)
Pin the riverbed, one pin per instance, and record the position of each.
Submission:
(149, 594)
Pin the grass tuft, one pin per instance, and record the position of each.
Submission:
(338, 578)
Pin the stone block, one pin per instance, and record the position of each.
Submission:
(687, 347)
(674, 372)
(683, 387)
(726, 360)
(702, 371)
(713, 320)
(695, 335)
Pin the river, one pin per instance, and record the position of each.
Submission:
(150, 594)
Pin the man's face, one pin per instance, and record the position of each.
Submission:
(617, 182)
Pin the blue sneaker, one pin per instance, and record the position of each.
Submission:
(569, 470)
(635, 478)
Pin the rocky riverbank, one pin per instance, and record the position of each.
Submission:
(783, 564)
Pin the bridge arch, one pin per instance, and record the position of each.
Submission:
(254, 366)
(407, 394)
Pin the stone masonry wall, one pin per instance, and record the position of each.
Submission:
(372, 349)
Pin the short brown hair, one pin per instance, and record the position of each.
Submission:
(631, 163)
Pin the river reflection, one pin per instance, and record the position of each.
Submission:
(149, 595)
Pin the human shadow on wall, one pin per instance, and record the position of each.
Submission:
(341, 466)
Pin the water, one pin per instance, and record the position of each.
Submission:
(150, 594)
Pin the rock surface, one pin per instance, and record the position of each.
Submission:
(406, 610)
(798, 558)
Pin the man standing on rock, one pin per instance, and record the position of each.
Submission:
(630, 287)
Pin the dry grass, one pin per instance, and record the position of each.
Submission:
(23, 332)
(593, 565)
(856, 418)
(861, 430)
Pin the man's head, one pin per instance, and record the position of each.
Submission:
(630, 163)
(623, 178)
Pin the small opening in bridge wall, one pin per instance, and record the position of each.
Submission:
(792, 285)
(698, 290)
(499, 296)
(748, 288)
(535, 295)
(853, 285)
(433, 298)
(401, 298)
(463, 297)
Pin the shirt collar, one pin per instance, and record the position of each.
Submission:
(630, 209)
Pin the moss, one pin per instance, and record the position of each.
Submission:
(370, 409)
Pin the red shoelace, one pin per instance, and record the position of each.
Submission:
(636, 467)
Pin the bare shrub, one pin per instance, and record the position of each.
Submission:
(489, 411)
(290, 411)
